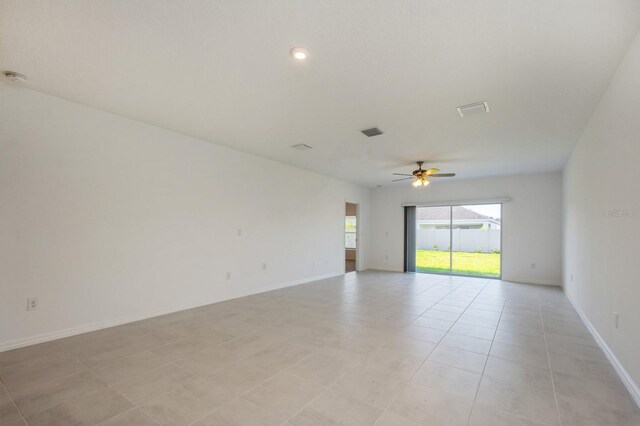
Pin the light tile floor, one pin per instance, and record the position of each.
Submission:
(362, 349)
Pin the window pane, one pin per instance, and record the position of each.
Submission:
(476, 240)
(350, 232)
(433, 239)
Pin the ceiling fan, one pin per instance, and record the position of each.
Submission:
(420, 176)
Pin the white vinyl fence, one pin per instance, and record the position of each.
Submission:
(469, 240)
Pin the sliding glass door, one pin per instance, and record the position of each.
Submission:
(459, 240)
(433, 239)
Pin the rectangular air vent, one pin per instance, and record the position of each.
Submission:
(300, 147)
(476, 108)
(374, 131)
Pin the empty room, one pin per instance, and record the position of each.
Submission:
(354, 212)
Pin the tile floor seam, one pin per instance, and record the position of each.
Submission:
(247, 391)
(389, 406)
(350, 397)
(164, 393)
(390, 403)
(133, 405)
(119, 414)
(452, 366)
(446, 332)
(486, 360)
(235, 362)
(435, 303)
(306, 405)
(327, 388)
(14, 402)
(211, 412)
(109, 385)
(553, 382)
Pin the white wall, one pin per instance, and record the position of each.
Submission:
(531, 222)
(106, 219)
(600, 251)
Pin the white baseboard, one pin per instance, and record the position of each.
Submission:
(631, 386)
(513, 280)
(385, 269)
(531, 281)
(99, 325)
(298, 282)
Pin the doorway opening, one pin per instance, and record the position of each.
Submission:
(350, 237)
(456, 240)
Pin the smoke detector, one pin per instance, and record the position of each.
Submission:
(471, 109)
(374, 131)
(14, 76)
(300, 147)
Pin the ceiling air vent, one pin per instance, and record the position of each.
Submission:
(374, 131)
(300, 147)
(477, 108)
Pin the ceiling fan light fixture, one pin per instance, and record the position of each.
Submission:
(421, 181)
(420, 177)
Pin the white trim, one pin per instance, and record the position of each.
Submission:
(456, 202)
(531, 281)
(384, 269)
(99, 325)
(631, 386)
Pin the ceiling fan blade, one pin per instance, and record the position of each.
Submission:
(432, 171)
(443, 175)
(401, 174)
(396, 180)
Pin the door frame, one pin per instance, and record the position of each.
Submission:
(471, 203)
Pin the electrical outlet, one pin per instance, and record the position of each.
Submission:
(264, 266)
(533, 266)
(615, 319)
(228, 275)
(239, 232)
(32, 304)
(386, 257)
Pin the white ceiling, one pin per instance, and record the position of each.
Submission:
(221, 71)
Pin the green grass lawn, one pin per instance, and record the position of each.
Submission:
(486, 264)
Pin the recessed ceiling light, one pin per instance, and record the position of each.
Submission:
(299, 53)
(14, 76)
